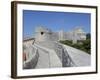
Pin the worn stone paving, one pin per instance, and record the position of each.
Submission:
(79, 57)
(43, 61)
(49, 58)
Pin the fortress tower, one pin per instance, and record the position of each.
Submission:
(45, 34)
(42, 34)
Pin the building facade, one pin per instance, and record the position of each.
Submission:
(45, 34)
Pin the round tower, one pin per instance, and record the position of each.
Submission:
(42, 34)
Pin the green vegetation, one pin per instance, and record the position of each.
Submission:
(84, 45)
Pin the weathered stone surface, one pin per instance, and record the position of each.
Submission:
(44, 34)
(52, 54)
(32, 57)
(79, 57)
(48, 58)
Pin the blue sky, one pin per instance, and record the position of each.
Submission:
(54, 20)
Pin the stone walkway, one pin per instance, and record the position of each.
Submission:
(43, 61)
(47, 58)
(79, 57)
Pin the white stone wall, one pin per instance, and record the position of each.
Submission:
(76, 34)
(42, 34)
(43, 37)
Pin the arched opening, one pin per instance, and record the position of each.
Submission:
(42, 33)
